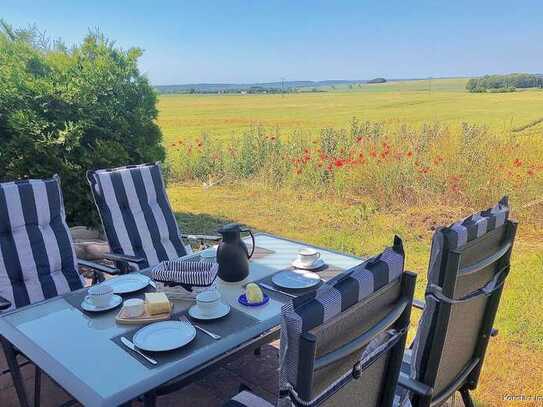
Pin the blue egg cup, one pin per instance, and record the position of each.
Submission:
(243, 301)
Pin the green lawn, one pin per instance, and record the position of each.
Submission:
(188, 116)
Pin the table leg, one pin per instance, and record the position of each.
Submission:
(149, 399)
(37, 387)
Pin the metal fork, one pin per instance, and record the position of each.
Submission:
(213, 335)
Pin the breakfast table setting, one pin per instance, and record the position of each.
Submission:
(117, 340)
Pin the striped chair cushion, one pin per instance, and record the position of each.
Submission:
(136, 214)
(479, 223)
(37, 259)
(454, 236)
(307, 312)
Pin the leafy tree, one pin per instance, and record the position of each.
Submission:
(68, 111)
(507, 82)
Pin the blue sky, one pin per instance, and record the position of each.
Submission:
(256, 41)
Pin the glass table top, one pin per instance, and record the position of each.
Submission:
(77, 350)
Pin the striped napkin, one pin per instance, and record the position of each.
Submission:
(186, 273)
(184, 280)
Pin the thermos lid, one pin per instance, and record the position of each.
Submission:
(230, 227)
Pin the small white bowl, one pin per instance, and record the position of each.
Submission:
(134, 307)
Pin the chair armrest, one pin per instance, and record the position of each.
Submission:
(124, 257)
(415, 386)
(4, 304)
(201, 237)
(98, 267)
(419, 304)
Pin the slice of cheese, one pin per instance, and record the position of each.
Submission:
(157, 303)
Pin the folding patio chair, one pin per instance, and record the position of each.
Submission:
(469, 263)
(37, 258)
(343, 344)
(137, 217)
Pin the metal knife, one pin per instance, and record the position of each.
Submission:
(130, 345)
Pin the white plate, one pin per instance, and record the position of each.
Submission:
(220, 311)
(87, 305)
(315, 265)
(164, 336)
(128, 283)
(296, 279)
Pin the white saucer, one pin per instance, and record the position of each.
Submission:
(315, 265)
(87, 305)
(220, 311)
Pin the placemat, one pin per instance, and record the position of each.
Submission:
(228, 325)
(326, 273)
(261, 252)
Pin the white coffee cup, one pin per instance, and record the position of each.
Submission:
(100, 295)
(208, 301)
(134, 307)
(308, 256)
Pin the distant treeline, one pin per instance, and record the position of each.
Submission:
(267, 87)
(251, 90)
(504, 83)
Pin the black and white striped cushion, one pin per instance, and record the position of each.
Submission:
(37, 259)
(479, 223)
(136, 214)
(309, 311)
(191, 273)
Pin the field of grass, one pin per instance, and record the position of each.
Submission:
(412, 177)
(188, 116)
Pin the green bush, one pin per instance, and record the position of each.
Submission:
(68, 111)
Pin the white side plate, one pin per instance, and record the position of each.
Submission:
(128, 283)
(296, 279)
(164, 336)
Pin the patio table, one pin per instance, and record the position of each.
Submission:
(77, 350)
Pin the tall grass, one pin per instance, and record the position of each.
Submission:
(387, 166)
